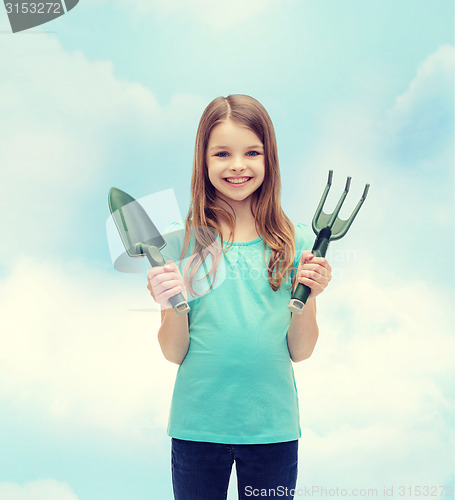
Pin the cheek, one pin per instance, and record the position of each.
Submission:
(215, 168)
(262, 175)
(212, 175)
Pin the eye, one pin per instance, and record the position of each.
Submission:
(221, 153)
(255, 153)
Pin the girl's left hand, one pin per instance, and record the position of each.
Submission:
(314, 272)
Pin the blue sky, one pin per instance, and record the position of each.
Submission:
(110, 94)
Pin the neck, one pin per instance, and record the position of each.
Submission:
(241, 210)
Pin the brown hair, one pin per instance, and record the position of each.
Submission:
(272, 224)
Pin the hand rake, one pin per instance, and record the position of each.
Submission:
(327, 227)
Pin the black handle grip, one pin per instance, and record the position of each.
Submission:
(302, 292)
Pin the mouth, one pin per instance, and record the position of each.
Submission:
(237, 181)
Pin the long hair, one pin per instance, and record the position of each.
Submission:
(272, 224)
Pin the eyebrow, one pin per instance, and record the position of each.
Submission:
(256, 146)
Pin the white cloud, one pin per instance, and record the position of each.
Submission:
(81, 347)
(377, 382)
(406, 154)
(433, 81)
(356, 135)
(46, 489)
(63, 118)
(420, 123)
(376, 395)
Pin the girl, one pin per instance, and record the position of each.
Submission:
(235, 397)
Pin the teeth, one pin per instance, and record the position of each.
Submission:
(238, 181)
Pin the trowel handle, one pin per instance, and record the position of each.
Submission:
(302, 292)
(178, 301)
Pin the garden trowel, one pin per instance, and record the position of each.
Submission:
(140, 236)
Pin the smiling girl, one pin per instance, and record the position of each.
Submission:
(235, 397)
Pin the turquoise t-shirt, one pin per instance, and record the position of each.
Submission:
(236, 384)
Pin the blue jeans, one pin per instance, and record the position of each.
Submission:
(201, 471)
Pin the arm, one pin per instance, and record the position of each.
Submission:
(303, 332)
(173, 336)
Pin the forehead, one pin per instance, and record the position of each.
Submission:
(231, 132)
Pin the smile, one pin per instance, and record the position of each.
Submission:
(239, 181)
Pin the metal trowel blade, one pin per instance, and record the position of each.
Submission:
(133, 223)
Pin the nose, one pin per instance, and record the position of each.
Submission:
(238, 164)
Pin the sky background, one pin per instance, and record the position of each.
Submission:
(110, 94)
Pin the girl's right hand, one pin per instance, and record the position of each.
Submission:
(165, 282)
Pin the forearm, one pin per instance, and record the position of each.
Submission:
(174, 337)
(303, 332)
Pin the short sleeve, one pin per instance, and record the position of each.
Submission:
(304, 240)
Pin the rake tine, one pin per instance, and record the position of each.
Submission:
(348, 222)
(322, 226)
(321, 203)
(340, 203)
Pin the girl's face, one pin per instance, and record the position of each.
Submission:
(235, 161)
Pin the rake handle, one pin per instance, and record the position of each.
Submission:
(178, 302)
(302, 292)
